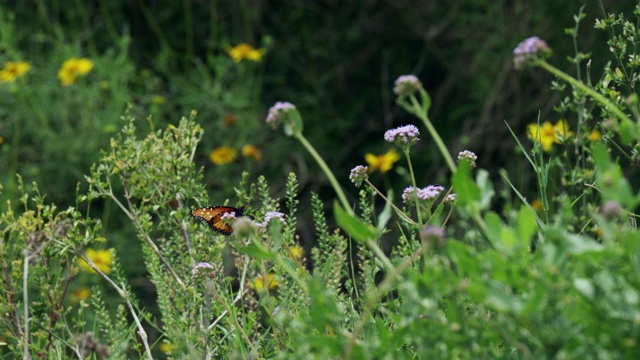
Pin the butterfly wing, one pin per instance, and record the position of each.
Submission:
(213, 216)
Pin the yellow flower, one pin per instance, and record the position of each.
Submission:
(245, 51)
(562, 131)
(548, 134)
(259, 282)
(252, 152)
(537, 204)
(1, 140)
(165, 347)
(73, 68)
(13, 70)
(223, 155)
(382, 162)
(595, 135)
(297, 251)
(101, 258)
(81, 293)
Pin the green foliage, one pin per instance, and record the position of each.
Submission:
(441, 272)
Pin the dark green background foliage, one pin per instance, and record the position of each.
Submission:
(335, 60)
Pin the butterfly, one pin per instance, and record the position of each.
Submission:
(213, 216)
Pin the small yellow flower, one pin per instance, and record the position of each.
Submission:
(562, 131)
(252, 152)
(297, 251)
(81, 293)
(13, 70)
(245, 51)
(548, 134)
(101, 258)
(595, 135)
(537, 204)
(260, 285)
(382, 162)
(165, 347)
(72, 68)
(223, 155)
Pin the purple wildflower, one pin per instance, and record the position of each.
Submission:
(425, 194)
(527, 49)
(467, 155)
(611, 210)
(203, 269)
(228, 215)
(403, 136)
(406, 85)
(358, 175)
(450, 198)
(432, 235)
(277, 111)
(270, 216)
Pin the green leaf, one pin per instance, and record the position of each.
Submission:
(501, 299)
(352, 225)
(466, 189)
(502, 236)
(526, 224)
(386, 213)
(584, 287)
(577, 245)
(611, 180)
(255, 252)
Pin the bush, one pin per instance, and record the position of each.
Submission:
(438, 273)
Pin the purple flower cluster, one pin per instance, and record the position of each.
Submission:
(203, 269)
(228, 215)
(406, 85)
(433, 235)
(527, 49)
(428, 193)
(403, 136)
(450, 198)
(358, 175)
(276, 112)
(272, 215)
(467, 155)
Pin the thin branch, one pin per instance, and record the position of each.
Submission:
(146, 237)
(123, 294)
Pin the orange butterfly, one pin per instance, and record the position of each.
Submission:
(213, 216)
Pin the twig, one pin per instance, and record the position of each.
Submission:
(238, 297)
(146, 237)
(122, 292)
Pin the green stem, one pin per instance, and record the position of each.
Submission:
(434, 134)
(594, 94)
(343, 199)
(398, 211)
(415, 187)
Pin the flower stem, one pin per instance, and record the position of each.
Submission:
(415, 188)
(343, 199)
(419, 112)
(594, 94)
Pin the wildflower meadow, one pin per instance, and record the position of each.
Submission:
(310, 180)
